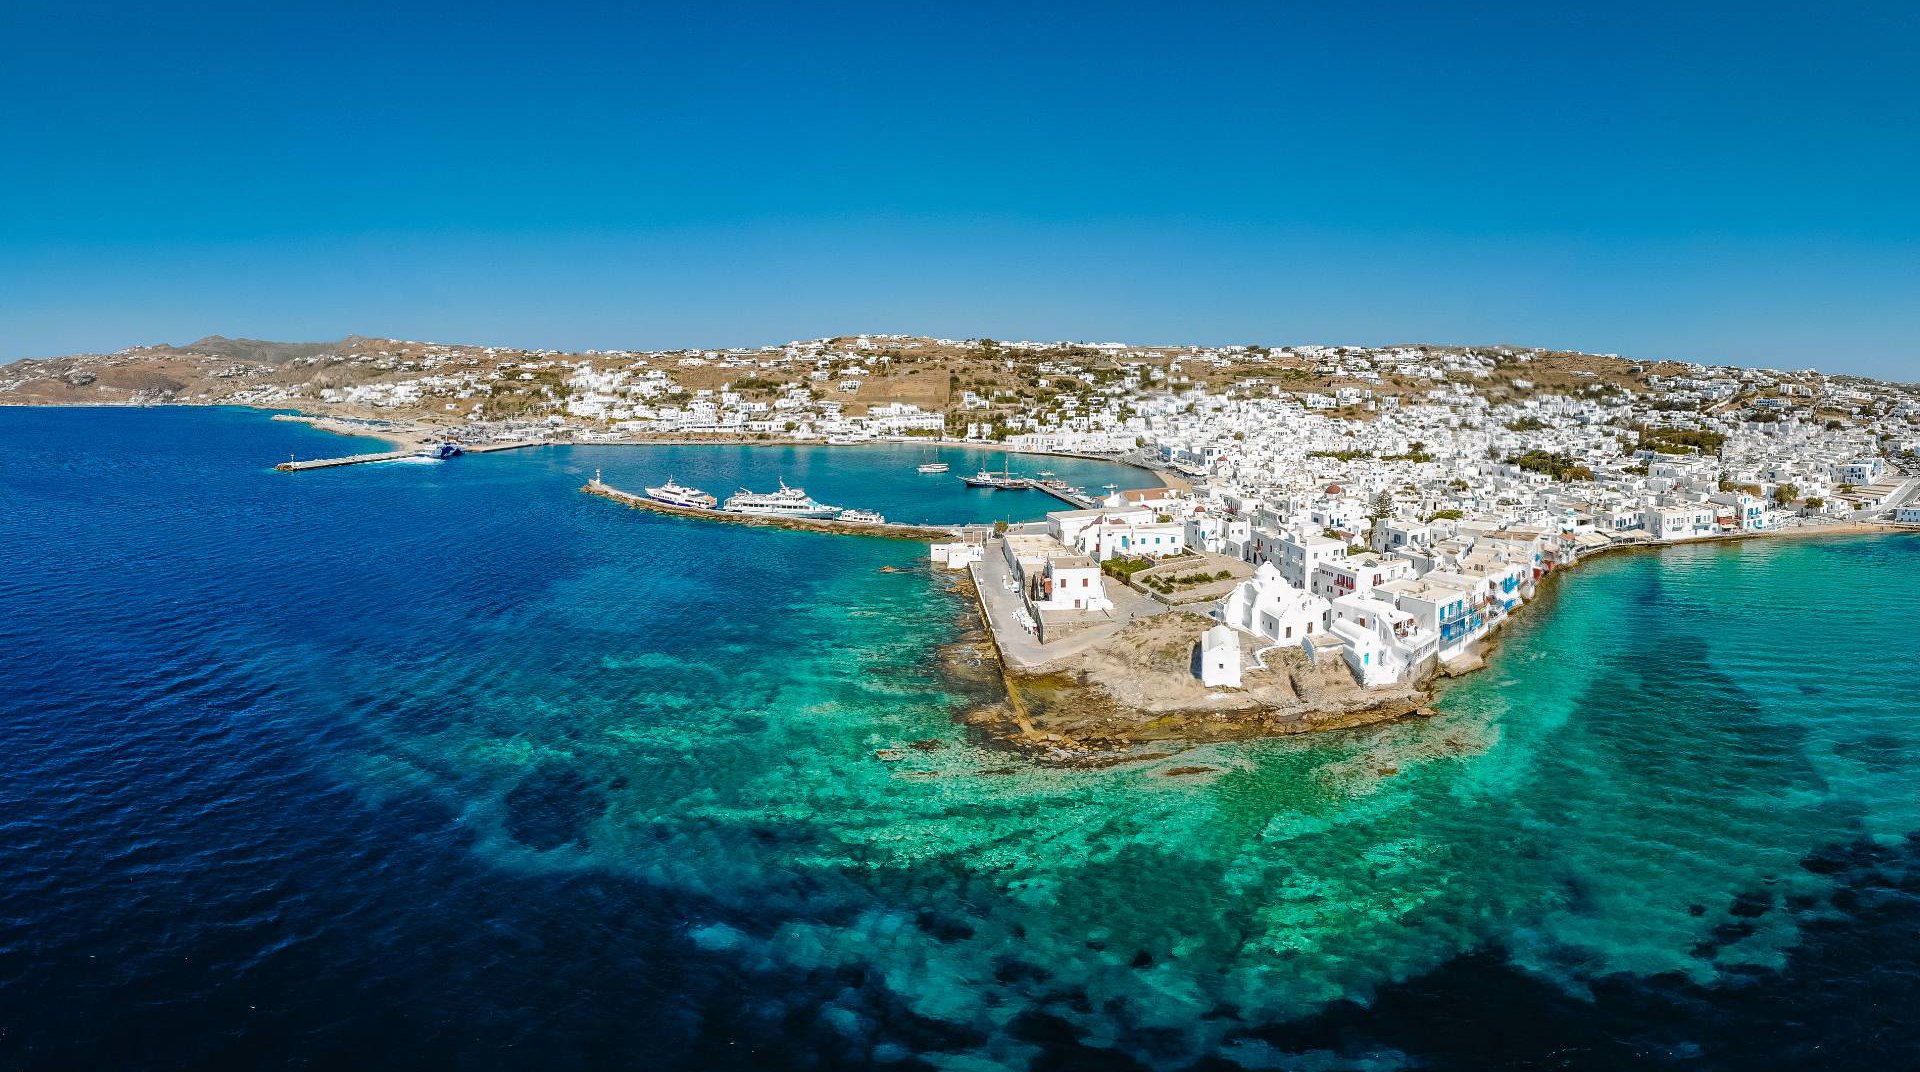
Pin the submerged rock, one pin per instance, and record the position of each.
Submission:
(552, 807)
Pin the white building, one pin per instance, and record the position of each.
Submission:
(1383, 643)
(1859, 471)
(1125, 535)
(1266, 606)
(1679, 522)
(1219, 533)
(1300, 556)
(1220, 658)
(956, 556)
(1070, 583)
(1356, 575)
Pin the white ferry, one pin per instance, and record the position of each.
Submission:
(787, 502)
(862, 517)
(677, 495)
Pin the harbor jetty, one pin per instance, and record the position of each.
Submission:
(1073, 497)
(890, 529)
(292, 466)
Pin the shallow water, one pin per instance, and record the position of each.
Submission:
(452, 765)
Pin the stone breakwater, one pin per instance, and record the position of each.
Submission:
(796, 524)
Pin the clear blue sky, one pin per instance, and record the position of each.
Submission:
(1726, 182)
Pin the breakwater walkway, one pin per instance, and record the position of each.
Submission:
(798, 524)
(1057, 489)
(396, 455)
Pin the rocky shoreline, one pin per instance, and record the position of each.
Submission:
(1134, 698)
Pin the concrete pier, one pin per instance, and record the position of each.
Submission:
(798, 524)
(1078, 502)
(350, 459)
(396, 455)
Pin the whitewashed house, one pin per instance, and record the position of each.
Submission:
(958, 555)
(1356, 575)
(1300, 556)
(1439, 606)
(1070, 583)
(1679, 522)
(1220, 658)
(1266, 606)
(1383, 643)
(1109, 537)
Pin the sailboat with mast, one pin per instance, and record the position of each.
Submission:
(1004, 480)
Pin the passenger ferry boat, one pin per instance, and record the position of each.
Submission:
(862, 517)
(678, 495)
(787, 502)
(440, 452)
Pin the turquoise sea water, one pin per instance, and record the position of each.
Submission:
(451, 765)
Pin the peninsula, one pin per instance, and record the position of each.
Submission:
(1333, 527)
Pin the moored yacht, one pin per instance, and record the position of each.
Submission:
(1004, 480)
(933, 467)
(679, 495)
(1000, 481)
(862, 517)
(787, 502)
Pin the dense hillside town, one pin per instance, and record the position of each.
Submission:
(1388, 504)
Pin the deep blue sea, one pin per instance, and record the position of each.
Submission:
(451, 766)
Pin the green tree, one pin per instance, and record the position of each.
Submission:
(1382, 507)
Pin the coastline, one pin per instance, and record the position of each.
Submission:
(429, 432)
(406, 440)
(1548, 590)
(344, 427)
(1060, 714)
(1132, 697)
(1096, 710)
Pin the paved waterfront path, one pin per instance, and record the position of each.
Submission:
(1020, 648)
